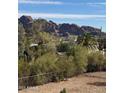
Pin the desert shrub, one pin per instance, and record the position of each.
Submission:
(75, 63)
(23, 68)
(96, 62)
(65, 67)
(80, 59)
(102, 43)
(34, 70)
(23, 71)
(47, 64)
(66, 47)
(63, 47)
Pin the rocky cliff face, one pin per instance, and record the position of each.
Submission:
(72, 29)
(26, 21)
(58, 29)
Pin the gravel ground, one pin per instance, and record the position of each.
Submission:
(87, 83)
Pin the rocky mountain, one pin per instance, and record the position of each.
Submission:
(64, 29)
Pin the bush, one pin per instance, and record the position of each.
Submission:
(47, 64)
(63, 47)
(34, 70)
(65, 67)
(96, 62)
(80, 59)
(23, 71)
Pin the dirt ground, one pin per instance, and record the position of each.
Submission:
(87, 83)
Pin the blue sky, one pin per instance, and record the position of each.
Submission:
(81, 12)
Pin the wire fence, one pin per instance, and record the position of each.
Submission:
(40, 79)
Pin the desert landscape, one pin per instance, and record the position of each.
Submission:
(61, 46)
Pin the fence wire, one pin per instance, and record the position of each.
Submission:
(40, 79)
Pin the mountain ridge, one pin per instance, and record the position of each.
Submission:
(63, 29)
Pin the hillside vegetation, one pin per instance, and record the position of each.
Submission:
(45, 48)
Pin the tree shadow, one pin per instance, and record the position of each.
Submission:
(97, 83)
(95, 76)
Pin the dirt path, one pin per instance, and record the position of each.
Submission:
(88, 83)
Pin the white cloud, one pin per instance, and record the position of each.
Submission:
(51, 2)
(62, 16)
(40, 2)
(87, 3)
(97, 4)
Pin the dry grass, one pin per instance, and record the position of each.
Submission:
(87, 83)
